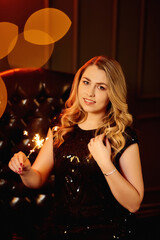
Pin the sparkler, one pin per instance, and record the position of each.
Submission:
(38, 142)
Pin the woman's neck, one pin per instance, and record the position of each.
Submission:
(92, 122)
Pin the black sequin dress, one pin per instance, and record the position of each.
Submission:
(84, 205)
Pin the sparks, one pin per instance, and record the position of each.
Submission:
(38, 143)
(55, 128)
(25, 133)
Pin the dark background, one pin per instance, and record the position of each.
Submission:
(128, 31)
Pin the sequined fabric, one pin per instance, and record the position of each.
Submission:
(84, 205)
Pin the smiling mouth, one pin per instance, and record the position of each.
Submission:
(88, 101)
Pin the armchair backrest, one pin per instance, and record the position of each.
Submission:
(35, 97)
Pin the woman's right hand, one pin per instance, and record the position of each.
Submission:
(19, 163)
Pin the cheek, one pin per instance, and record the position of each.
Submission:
(79, 94)
(80, 90)
(104, 101)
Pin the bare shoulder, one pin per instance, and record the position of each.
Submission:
(130, 159)
(130, 167)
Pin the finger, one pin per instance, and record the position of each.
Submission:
(18, 158)
(22, 158)
(16, 162)
(108, 145)
(89, 146)
(92, 140)
(101, 136)
(13, 165)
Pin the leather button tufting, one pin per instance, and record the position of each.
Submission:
(35, 98)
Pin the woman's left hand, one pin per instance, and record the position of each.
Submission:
(101, 152)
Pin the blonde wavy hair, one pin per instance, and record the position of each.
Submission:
(117, 117)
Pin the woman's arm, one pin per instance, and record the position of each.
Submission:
(127, 185)
(35, 176)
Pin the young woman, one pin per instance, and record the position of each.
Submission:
(95, 157)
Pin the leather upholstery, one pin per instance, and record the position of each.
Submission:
(35, 98)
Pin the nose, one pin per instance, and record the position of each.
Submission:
(92, 92)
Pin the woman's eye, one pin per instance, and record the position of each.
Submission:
(85, 82)
(101, 87)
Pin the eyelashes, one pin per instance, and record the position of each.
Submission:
(100, 87)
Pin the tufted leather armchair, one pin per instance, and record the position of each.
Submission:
(35, 98)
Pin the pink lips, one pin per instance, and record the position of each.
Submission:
(88, 101)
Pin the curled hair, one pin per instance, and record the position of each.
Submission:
(117, 117)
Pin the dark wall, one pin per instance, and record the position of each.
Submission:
(17, 12)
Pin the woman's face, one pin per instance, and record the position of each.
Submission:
(93, 91)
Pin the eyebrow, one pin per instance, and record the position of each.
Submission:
(100, 83)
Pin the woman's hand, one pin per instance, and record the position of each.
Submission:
(34, 176)
(19, 163)
(101, 152)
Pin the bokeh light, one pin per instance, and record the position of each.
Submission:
(46, 26)
(28, 55)
(3, 97)
(8, 39)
